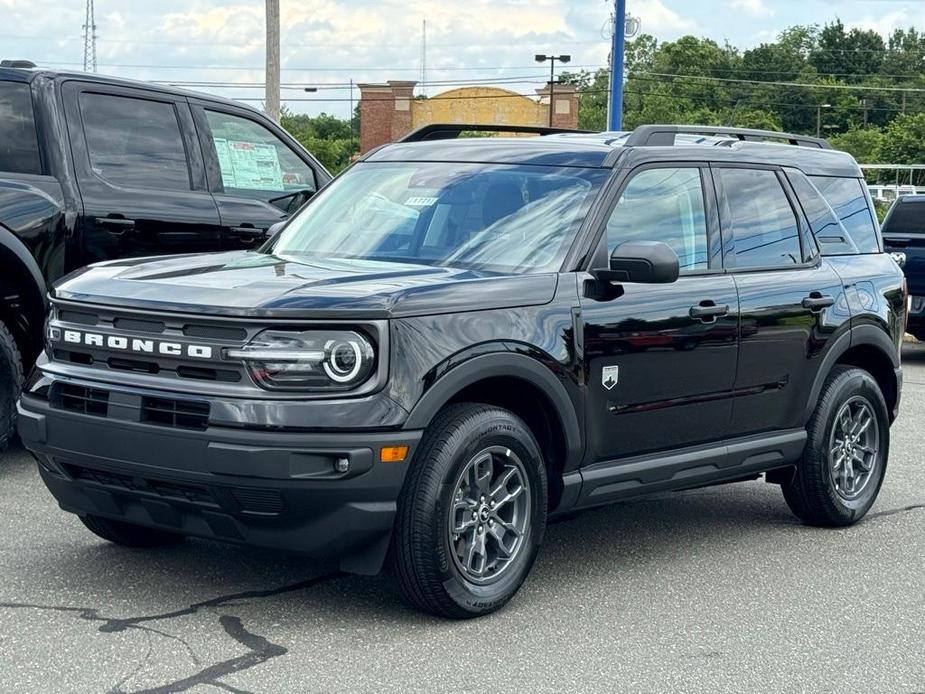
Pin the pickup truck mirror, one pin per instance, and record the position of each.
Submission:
(645, 262)
(273, 230)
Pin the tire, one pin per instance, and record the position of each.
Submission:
(819, 492)
(470, 451)
(10, 385)
(129, 534)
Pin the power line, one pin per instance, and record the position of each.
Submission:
(778, 83)
(413, 68)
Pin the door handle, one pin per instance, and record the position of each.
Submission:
(248, 233)
(816, 301)
(116, 225)
(707, 311)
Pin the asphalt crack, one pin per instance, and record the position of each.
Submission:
(260, 649)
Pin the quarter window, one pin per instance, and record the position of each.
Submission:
(134, 143)
(848, 198)
(19, 147)
(758, 219)
(255, 162)
(664, 205)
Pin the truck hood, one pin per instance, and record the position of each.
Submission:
(245, 283)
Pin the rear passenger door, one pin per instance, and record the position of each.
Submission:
(140, 173)
(258, 175)
(789, 297)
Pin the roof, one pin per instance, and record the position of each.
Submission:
(602, 150)
(29, 74)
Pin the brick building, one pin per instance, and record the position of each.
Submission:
(390, 110)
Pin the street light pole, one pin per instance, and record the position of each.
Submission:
(819, 118)
(617, 49)
(542, 58)
(272, 65)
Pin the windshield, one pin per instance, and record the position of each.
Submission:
(906, 217)
(504, 218)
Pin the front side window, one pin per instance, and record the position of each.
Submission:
(664, 205)
(19, 147)
(254, 162)
(758, 220)
(502, 218)
(134, 143)
(848, 198)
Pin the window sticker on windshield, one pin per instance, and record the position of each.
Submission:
(420, 201)
(249, 165)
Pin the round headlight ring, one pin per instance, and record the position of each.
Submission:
(343, 361)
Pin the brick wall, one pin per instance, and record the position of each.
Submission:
(389, 110)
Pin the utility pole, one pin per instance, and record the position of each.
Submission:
(864, 103)
(272, 65)
(617, 49)
(819, 118)
(424, 57)
(89, 39)
(352, 131)
(542, 58)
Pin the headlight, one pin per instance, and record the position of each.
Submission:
(321, 360)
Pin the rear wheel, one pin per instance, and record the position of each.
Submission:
(129, 534)
(844, 462)
(10, 385)
(472, 514)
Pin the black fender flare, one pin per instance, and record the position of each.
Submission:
(11, 242)
(507, 364)
(866, 334)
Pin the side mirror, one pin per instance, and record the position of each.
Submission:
(644, 262)
(274, 229)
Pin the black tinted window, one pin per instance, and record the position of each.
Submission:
(19, 147)
(663, 205)
(832, 237)
(906, 217)
(848, 198)
(135, 143)
(758, 219)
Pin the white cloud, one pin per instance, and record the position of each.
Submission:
(660, 20)
(885, 23)
(756, 8)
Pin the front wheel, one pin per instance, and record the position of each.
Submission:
(473, 513)
(844, 462)
(11, 370)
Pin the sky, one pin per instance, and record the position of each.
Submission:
(327, 43)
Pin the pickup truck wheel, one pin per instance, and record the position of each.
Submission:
(472, 514)
(844, 461)
(129, 534)
(10, 385)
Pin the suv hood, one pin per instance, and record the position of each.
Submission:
(245, 283)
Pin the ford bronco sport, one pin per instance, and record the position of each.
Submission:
(458, 340)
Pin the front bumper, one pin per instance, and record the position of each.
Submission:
(267, 488)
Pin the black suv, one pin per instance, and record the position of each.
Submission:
(94, 168)
(458, 340)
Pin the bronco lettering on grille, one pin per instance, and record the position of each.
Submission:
(126, 344)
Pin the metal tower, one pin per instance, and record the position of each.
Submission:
(89, 40)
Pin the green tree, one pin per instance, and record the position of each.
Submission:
(904, 140)
(329, 138)
(864, 144)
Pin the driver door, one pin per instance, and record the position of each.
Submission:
(257, 175)
(661, 358)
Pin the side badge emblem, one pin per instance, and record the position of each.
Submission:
(610, 376)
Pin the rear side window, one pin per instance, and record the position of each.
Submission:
(832, 237)
(254, 162)
(19, 147)
(758, 220)
(906, 217)
(134, 143)
(848, 198)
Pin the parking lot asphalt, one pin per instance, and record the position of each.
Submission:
(712, 590)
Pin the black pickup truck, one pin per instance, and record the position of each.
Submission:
(904, 232)
(95, 168)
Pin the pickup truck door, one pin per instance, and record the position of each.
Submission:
(140, 173)
(257, 173)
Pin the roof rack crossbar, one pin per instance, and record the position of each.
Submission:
(451, 131)
(664, 135)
